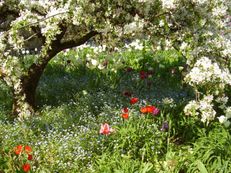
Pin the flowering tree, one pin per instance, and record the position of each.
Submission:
(196, 28)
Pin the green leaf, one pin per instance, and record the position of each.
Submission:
(146, 167)
(201, 167)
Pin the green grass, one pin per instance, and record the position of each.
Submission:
(75, 100)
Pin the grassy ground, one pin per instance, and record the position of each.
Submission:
(74, 100)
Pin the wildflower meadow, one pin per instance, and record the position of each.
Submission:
(115, 86)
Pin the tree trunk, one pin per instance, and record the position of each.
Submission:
(24, 102)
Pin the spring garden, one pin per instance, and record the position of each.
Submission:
(115, 86)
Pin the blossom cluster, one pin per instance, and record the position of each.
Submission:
(203, 107)
(207, 75)
(206, 109)
(205, 72)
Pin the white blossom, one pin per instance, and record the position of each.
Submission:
(219, 10)
(224, 120)
(94, 62)
(228, 112)
(204, 72)
(168, 4)
(191, 108)
(183, 46)
(161, 23)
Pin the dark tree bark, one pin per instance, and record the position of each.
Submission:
(30, 81)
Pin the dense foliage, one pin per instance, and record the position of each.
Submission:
(199, 30)
(77, 98)
(134, 86)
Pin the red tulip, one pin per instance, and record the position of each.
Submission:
(134, 100)
(125, 110)
(26, 167)
(150, 109)
(143, 110)
(147, 109)
(125, 115)
(28, 149)
(30, 157)
(143, 75)
(18, 149)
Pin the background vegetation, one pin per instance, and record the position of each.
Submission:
(75, 98)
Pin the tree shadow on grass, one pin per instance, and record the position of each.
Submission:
(5, 100)
(61, 85)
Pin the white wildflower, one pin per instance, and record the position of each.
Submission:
(94, 62)
(222, 119)
(191, 108)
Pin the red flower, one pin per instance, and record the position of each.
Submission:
(143, 75)
(26, 167)
(105, 129)
(18, 149)
(147, 109)
(134, 100)
(125, 115)
(143, 110)
(125, 110)
(30, 157)
(127, 93)
(28, 149)
(150, 109)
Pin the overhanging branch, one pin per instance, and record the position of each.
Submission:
(36, 69)
(78, 42)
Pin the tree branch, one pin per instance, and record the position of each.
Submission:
(37, 30)
(78, 42)
(37, 22)
(36, 69)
